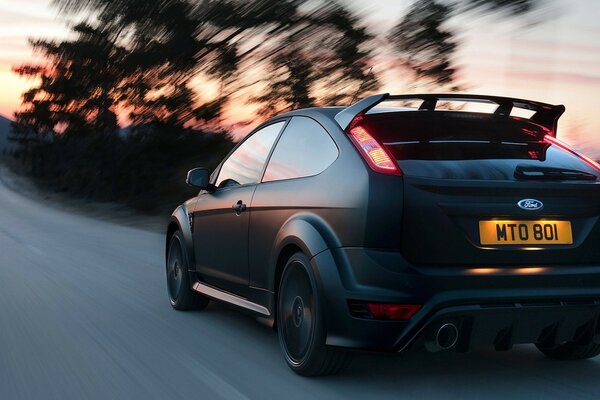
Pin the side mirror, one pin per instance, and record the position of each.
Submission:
(198, 177)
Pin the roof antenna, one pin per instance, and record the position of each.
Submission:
(360, 87)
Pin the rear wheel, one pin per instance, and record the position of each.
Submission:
(300, 325)
(181, 295)
(571, 351)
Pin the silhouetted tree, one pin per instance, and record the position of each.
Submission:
(296, 48)
(424, 43)
(79, 85)
(320, 60)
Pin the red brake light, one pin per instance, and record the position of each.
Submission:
(566, 147)
(376, 156)
(393, 311)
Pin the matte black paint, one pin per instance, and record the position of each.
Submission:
(410, 239)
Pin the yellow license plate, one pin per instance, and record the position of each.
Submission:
(525, 232)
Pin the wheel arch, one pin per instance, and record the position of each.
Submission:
(304, 233)
(180, 221)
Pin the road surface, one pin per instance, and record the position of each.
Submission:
(84, 315)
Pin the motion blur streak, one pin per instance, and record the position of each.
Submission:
(85, 316)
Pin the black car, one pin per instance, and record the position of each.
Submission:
(443, 221)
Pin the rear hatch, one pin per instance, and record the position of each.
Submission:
(483, 190)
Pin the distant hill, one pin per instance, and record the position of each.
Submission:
(4, 131)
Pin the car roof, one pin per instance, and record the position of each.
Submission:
(332, 111)
(328, 112)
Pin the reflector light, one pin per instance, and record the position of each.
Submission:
(375, 155)
(566, 147)
(393, 311)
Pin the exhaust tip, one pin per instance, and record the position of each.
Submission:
(444, 338)
(447, 336)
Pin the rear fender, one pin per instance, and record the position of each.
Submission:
(313, 236)
(307, 232)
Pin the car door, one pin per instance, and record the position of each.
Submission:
(220, 218)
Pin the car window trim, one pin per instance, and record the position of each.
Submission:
(268, 160)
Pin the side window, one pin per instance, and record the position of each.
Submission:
(305, 149)
(246, 163)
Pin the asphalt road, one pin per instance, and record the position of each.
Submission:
(84, 315)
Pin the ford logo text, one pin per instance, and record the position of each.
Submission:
(530, 204)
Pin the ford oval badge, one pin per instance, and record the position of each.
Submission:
(530, 204)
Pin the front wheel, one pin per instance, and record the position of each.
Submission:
(571, 351)
(300, 325)
(181, 295)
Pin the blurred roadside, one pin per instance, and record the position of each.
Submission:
(112, 212)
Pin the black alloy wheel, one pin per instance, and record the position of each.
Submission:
(301, 329)
(181, 294)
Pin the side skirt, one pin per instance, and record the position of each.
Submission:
(226, 297)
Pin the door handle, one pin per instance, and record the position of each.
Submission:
(239, 207)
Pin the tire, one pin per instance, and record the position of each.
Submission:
(179, 288)
(571, 351)
(300, 325)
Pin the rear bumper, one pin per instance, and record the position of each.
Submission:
(492, 306)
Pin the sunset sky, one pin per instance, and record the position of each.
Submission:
(552, 55)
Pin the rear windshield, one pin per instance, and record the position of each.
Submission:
(446, 135)
(467, 145)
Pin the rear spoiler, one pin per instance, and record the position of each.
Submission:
(546, 115)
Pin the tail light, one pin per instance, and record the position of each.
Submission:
(554, 141)
(371, 150)
(393, 311)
